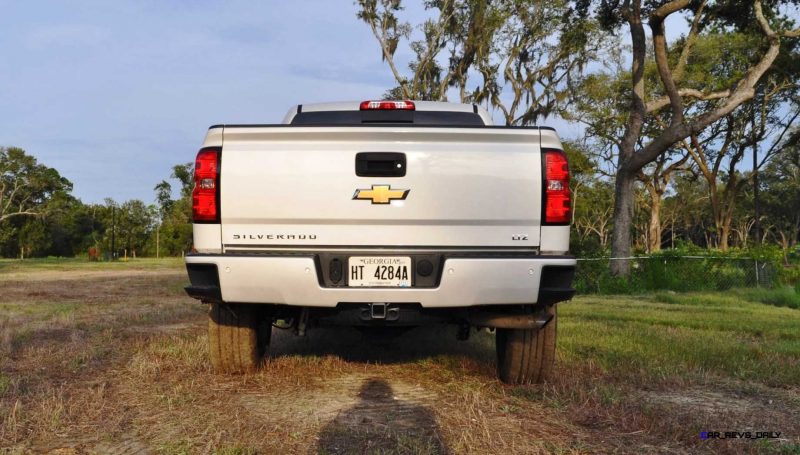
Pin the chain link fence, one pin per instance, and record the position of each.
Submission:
(675, 273)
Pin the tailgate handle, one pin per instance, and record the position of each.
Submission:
(380, 164)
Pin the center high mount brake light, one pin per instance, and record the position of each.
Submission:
(387, 106)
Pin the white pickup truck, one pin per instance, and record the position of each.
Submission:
(382, 215)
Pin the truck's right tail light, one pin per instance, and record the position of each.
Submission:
(205, 196)
(557, 198)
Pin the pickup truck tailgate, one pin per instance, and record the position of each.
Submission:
(294, 186)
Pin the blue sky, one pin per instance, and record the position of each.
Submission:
(113, 94)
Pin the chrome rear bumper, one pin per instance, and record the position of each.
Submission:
(464, 282)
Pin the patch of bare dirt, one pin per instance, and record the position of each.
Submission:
(166, 328)
(708, 401)
(731, 398)
(123, 445)
(79, 275)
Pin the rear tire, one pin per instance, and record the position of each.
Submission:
(527, 356)
(239, 336)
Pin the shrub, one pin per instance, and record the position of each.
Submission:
(790, 275)
(688, 269)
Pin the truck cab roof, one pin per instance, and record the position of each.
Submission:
(422, 113)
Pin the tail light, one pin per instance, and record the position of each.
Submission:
(387, 106)
(205, 196)
(557, 199)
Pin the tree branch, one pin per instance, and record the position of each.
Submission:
(773, 148)
(767, 29)
(731, 135)
(662, 61)
(381, 37)
(741, 92)
(433, 44)
(633, 14)
(23, 213)
(691, 38)
(659, 103)
(694, 150)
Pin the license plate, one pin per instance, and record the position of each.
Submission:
(383, 271)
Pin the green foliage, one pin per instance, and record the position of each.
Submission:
(683, 270)
(29, 192)
(134, 224)
(39, 218)
(593, 205)
(71, 226)
(780, 185)
(164, 197)
(25, 185)
(707, 72)
(184, 173)
(33, 238)
(174, 229)
(781, 296)
(582, 168)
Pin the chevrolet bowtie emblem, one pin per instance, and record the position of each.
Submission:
(381, 194)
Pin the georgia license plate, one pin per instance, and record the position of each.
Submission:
(388, 271)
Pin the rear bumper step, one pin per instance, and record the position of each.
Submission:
(551, 295)
(207, 293)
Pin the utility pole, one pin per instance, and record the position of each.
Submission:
(113, 232)
(756, 209)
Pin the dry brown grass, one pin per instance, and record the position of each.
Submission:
(100, 362)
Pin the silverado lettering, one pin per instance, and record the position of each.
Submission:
(274, 236)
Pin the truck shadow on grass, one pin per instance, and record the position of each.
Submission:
(381, 423)
(354, 345)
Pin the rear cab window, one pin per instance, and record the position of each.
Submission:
(431, 118)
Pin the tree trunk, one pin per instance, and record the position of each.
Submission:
(785, 247)
(725, 219)
(672, 234)
(724, 234)
(626, 174)
(654, 228)
(623, 220)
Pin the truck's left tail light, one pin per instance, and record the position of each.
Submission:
(205, 196)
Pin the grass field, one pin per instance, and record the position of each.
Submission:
(111, 358)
